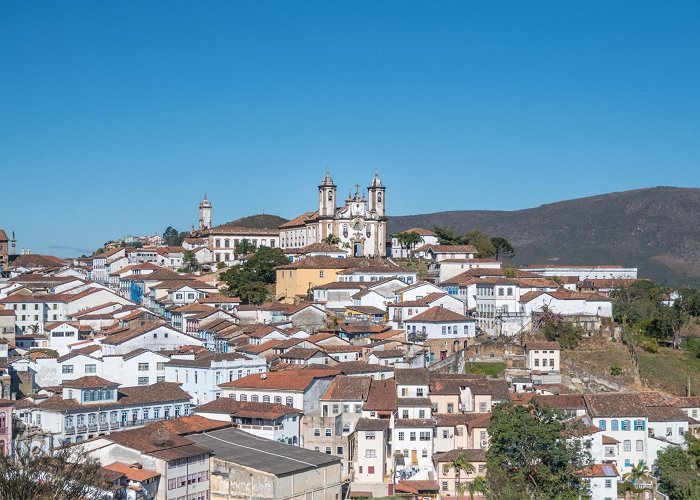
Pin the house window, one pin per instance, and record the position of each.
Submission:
(444, 485)
(370, 454)
(266, 399)
(419, 392)
(450, 407)
(369, 435)
(412, 436)
(481, 468)
(401, 435)
(290, 401)
(329, 432)
(328, 450)
(320, 274)
(67, 369)
(317, 432)
(601, 425)
(143, 380)
(608, 483)
(143, 367)
(627, 445)
(278, 399)
(90, 368)
(421, 413)
(244, 397)
(445, 434)
(404, 414)
(614, 425)
(254, 398)
(625, 425)
(639, 425)
(640, 445)
(482, 407)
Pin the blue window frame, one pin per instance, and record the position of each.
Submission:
(601, 425)
(625, 425)
(613, 425)
(639, 425)
(628, 462)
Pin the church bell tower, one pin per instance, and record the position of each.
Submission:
(204, 214)
(376, 193)
(326, 200)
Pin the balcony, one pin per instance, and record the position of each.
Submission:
(69, 430)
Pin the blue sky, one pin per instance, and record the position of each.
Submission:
(115, 117)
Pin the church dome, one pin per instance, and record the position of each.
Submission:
(376, 182)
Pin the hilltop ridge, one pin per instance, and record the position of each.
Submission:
(655, 229)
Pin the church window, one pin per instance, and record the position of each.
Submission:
(330, 195)
(379, 197)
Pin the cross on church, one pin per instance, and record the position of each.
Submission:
(357, 189)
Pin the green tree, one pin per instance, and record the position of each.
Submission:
(529, 456)
(556, 329)
(503, 248)
(677, 474)
(66, 473)
(447, 236)
(250, 280)
(484, 246)
(332, 240)
(478, 485)
(172, 237)
(244, 247)
(461, 464)
(408, 241)
(189, 262)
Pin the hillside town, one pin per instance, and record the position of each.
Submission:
(353, 378)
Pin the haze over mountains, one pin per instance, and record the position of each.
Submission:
(655, 229)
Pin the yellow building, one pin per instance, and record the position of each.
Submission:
(295, 280)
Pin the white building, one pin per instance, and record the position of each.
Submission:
(584, 272)
(91, 406)
(201, 375)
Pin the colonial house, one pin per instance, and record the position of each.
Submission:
(399, 251)
(266, 420)
(91, 406)
(443, 330)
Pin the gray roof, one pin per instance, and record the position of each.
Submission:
(239, 447)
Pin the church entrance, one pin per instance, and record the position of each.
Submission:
(358, 250)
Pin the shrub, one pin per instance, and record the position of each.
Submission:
(615, 370)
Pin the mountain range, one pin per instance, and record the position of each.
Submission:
(656, 230)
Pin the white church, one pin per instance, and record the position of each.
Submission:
(359, 224)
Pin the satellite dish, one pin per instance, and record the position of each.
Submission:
(160, 437)
(263, 376)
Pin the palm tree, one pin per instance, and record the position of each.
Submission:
(639, 472)
(411, 240)
(479, 485)
(331, 239)
(460, 463)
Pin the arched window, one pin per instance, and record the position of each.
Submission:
(290, 401)
(232, 396)
(3, 419)
(278, 399)
(244, 397)
(254, 398)
(266, 399)
(379, 196)
(330, 195)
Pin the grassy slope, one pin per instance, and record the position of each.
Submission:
(669, 369)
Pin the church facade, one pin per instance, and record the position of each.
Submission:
(359, 224)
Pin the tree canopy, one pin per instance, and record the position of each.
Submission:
(250, 280)
(66, 473)
(172, 237)
(640, 306)
(529, 456)
(486, 246)
(678, 472)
